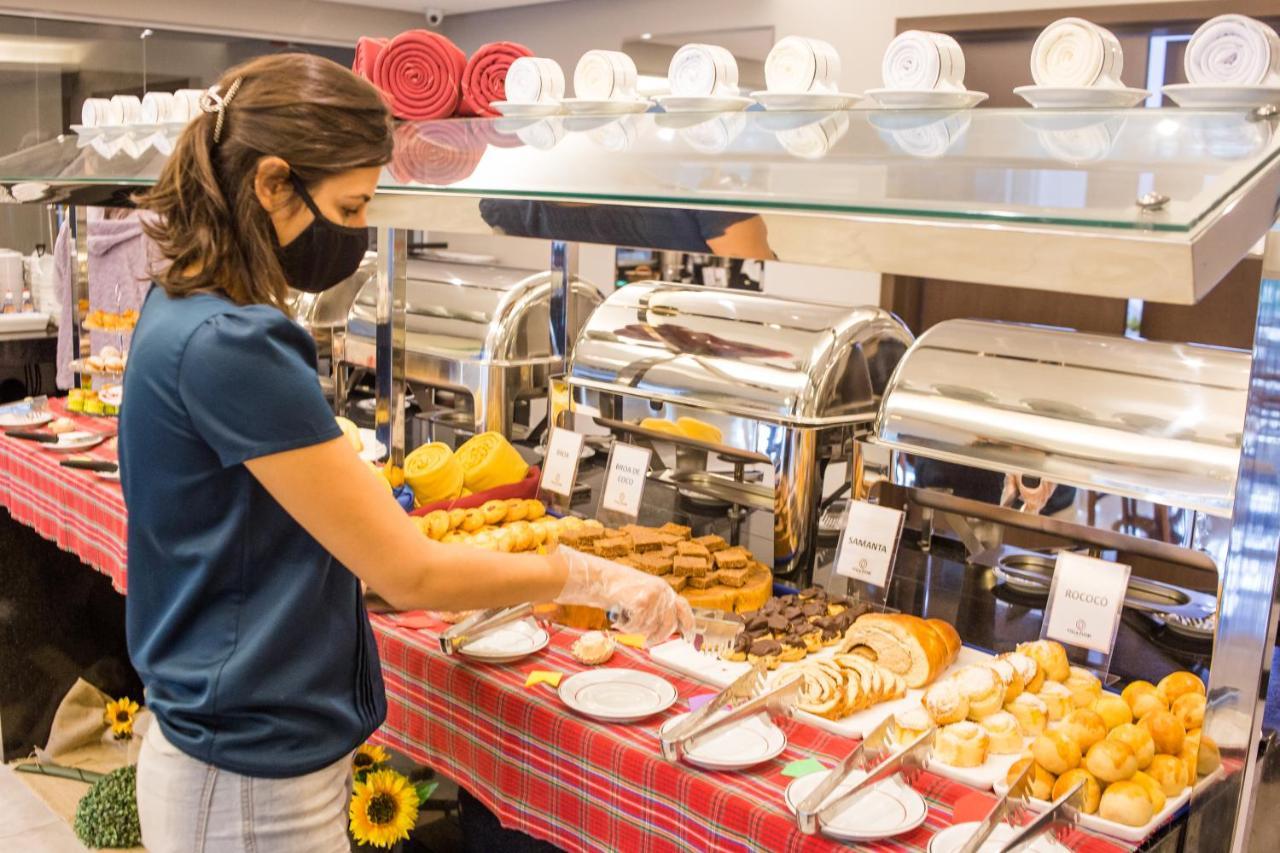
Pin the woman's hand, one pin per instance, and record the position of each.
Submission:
(650, 605)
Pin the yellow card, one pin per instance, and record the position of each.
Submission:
(636, 641)
(541, 676)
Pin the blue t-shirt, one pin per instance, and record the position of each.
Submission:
(252, 641)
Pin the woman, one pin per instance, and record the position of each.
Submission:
(251, 520)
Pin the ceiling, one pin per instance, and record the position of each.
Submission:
(449, 7)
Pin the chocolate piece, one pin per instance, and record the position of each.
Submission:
(759, 622)
(813, 609)
(793, 613)
(689, 566)
(793, 640)
(765, 648)
(779, 623)
(812, 592)
(711, 542)
(742, 642)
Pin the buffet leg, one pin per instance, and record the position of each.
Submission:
(393, 258)
(1223, 814)
(78, 225)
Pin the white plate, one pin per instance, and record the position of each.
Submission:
(23, 321)
(617, 695)
(952, 839)
(70, 441)
(1211, 97)
(925, 99)
(995, 769)
(744, 745)
(703, 103)
(511, 109)
(589, 106)
(26, 419)
(374, 450)
(890, 808)
(508, 643)
(805, 101)
(1081, 98)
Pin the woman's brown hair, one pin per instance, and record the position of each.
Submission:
(212, 232)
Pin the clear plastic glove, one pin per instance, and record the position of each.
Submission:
(649, 604)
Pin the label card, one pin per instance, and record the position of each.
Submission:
(560, 468)
(1085, 601)
(625, 479)
(869, 544)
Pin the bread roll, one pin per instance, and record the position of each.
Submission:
(1030, 712)
(945, 702)
(1041, 780)
(983, 688)
(1126, 803)
(901, 643)
(1111, 761)
(1003, 733)
(1056, 752)
(1051, 656)
(1084, 726)
(1137, 739)
(1200, 754)
(1092, 790)
(1177, 684)
(1189, 710)
(1113, 710)
(1170, 772)
(910, 723)
(1056, 698)
(1143, 699)
(1084, 686)
(1165, 730)
(949, 636)
(1010, 677)
(962, 744)
(1032, 674)
(1154, 792)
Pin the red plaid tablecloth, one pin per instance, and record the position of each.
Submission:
(580, 784)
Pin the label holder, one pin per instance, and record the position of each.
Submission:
(560, 469)
(1071, 617)
(868, 549)
(622, 493)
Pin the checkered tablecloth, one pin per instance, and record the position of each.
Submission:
(580, 784)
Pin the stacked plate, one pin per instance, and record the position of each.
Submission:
(508, 643)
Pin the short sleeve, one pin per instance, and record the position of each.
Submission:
(248, 381)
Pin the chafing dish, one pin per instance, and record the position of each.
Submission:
(779, 389)
(478, 333)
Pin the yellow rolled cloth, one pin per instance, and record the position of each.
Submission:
(433, 472)
(488, 460)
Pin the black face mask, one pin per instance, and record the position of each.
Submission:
(325, 253)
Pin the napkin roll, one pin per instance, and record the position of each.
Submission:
(421, 72)
(1075, 53)
(95, 112)
(922, 61)
(703, 70)
(485, 75)
(534, 80)
(158, 107)
(186, 104)
(605, 75)
(126, 109)
(1233, 50)
(797, 64)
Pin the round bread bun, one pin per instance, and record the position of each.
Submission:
(1189, 709)
(945, 702)
(115, 364)
(455, 518)
(1056, 698)
(1177, 684)
(1041, 780)
(1003, 732)
(1143, 699)
(1085, 727)
(1056, 752)
(1010, 676)
(1113, 710)
(1153, 789)
(1200, 754)
(351, 432)
(962, 744)
(1032, 674)
(534, 509)
(1031, 713)
(94, 362)
(1084, 686)
(516, 509)
(983, 689)
(494, 512)
(1165, 730)
(1092, 790)
(1111, 761)
(910, 723)
(1051, 656)
(1126, 803)
(1137, 739)
(1170, 772)
(108, 352)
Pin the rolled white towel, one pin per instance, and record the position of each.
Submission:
(701, 70)
(920, 61)
(95, 112)
(534, 80)
(605, 75)
(186, 104)
(1076, 53)
(126, 108)
(797, 64)
(157, 107)
(1233, 50)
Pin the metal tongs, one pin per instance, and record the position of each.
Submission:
(1064, 813)
(749, 690)
(1012, 807)
(909, 761)
(480, 624)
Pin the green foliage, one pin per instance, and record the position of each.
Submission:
(108, 815)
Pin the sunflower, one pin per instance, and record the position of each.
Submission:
(119, 716)
(384, 807)
(368, 757)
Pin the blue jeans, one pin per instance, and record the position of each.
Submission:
(187, 806)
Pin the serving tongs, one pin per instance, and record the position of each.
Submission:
(1063, 814)
(909, 762)
(1012, 807)
(481, 624)
(748, 696)
(714, 632)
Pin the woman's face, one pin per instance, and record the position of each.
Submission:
(342, 198)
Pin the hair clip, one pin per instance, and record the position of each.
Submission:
(212, 102)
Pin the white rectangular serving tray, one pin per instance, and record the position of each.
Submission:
(27, 321)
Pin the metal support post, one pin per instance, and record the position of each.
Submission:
(393, 261)
(78, 232)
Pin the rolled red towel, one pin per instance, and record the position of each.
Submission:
(367, 50)
(435, 152)
(422, 72)
(484, 79)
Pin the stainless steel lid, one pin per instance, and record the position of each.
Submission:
(740, 353)
(1142, 419)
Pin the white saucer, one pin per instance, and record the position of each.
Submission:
(890, 808)
(925, 99)
(26, 419)
(953, 838)
(805, 101)
(1081, 97)
(617, 695)
(508, 643)
(512, 109)
(703, 104)
(588, 106)
(745, 745)
(1219, 97)
(70, 441)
